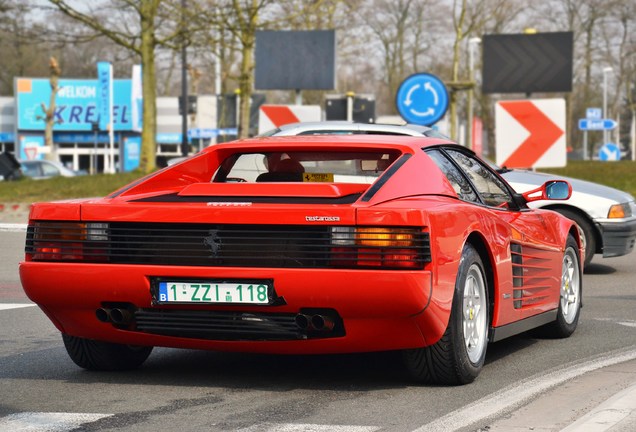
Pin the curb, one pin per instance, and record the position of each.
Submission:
(11, 213)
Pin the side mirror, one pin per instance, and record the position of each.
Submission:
(550, 190)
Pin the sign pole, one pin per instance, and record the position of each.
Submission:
(585, 145)
(633, 134)
(111, 131)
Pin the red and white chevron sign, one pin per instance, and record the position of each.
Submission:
(273, 116)
(530, 133)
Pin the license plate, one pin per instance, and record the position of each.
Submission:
(213, 292)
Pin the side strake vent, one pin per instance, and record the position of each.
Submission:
(517, 273)
(531, 274)
(229, 245)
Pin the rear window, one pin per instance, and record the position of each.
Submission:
(314, 166)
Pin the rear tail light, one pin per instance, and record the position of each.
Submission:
(379, 247)
(67, 241)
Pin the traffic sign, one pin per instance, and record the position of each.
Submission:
(273, 116)
(602, 124)
(422, 99)
(609, 152)
(31, 152)
(530, 133)
(594, 113)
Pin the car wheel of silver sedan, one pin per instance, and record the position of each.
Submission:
(570, 294)
(458, 357)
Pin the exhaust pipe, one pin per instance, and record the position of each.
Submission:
(322, 323)
(121, 316)
(103, 314)
(302, 321)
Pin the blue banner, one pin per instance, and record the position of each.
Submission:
(76, 104)
(137, 98)
(132, 153)
(104, 96)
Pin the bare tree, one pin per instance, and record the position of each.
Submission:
(20, 47)
(403, 34)
(140, 26)
(241, 19)
(49, 111)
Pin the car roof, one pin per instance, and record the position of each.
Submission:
(335, 126)
(359, 141)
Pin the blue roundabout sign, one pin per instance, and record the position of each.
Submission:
(422, 99)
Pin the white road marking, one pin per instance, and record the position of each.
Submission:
(9, 227)
(521, 392)
(291, 427)
(626, 323)
(7, 306)
(47, 422)
(609, 413)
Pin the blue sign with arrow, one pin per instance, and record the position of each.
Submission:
(609, 152)
(422, 99)
(601, 124)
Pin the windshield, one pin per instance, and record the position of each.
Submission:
(306, 166)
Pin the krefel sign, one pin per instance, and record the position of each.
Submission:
(76, 104)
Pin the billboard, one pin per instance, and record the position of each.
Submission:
(527, 63)
(77, 104)
(295, 60)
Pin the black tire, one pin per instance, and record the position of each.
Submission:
(571, 293)
(450, 361)
(104, 356)
(587, 231)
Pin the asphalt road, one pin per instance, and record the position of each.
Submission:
(194, 390)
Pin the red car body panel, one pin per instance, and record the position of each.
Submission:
(381, 309)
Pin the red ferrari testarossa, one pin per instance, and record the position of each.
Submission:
(301, 245)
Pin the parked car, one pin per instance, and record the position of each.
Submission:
(606, 216)
(308, 245)
(9, 167)
(44, 169)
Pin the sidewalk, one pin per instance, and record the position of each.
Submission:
(598, 401)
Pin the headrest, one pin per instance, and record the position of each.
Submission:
(289, 166)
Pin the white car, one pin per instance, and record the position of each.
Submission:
(43, 169)
(606, 216)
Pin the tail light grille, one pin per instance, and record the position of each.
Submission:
(230, 245)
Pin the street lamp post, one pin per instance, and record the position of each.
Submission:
(606, 71)
(472, 43)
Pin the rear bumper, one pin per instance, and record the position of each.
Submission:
(618, 237)
(380, 310)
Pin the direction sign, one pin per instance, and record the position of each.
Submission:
(594, 113)
(422, 99)
(602, 124)
(609, 152)
(207, 133)
(530, 133)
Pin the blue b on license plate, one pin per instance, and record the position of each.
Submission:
(212, 292)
